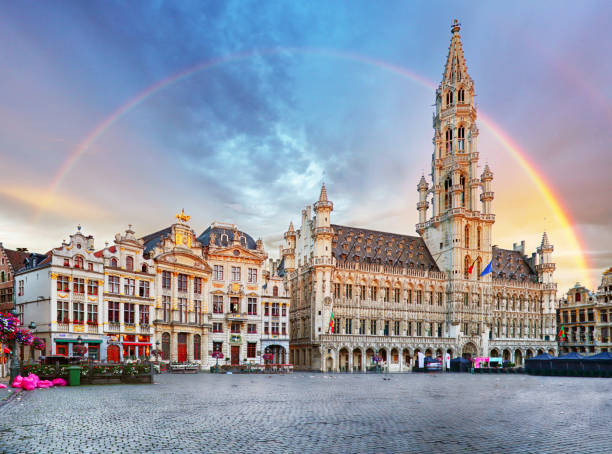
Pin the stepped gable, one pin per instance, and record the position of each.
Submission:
(351, 244)
(512, 265)
(16, 258)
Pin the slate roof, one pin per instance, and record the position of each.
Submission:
(151, 240)
(351, 244)
(512, 265)
(35, 260)
(204, 238)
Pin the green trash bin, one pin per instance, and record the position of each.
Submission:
(74, 375)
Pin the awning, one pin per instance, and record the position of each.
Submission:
(136, 343)
(74, 341)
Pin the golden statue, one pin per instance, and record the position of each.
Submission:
(183, 217)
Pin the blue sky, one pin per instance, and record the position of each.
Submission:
(250, 141)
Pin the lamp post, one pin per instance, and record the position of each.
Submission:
(157, 350)
(14, 355)
(32, 327)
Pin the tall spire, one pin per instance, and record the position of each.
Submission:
(323, 196)
(455, 69)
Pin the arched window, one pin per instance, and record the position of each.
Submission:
(224, 240)
(466, 236)
(129, 263)
(275, 291)
(461, 139)
(165, 346)
(466, 267)
(478, 231)
(197, 347)
(243, 241)
(478, 265)
(463, 190)
(449, 141)
(78, 262)
(113, 262)
(447, 194)
(461, 93)
(449, 98)
(144, 268)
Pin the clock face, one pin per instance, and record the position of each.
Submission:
(236, 252)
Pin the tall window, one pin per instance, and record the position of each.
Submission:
(386, 328)
(143, 289)
(197, 307)
(252, 276)
(478, 231)
(182, 282)
(78, 262)
(284, 310)
(275, 291)
(62, 312)
(374, 293)
(478, 262)
(466, 266)
(78, 285)
(218, 272)
(128, 313)
(466, 236)
(113, 311)
(217, 346)
(396, 295)
(92, 314)
(78, 313)
(396, 328)
(373, 327)
(129, 263)
(197, 347)
(234, 305)
(182, 307)
(419, 296)
(166, 280)
(447, 193)
(362, 328)
(275, 328)
(275, 310)
(235, 273)
(387, 294)
(251, 349)
(92, 287)
(348, 326)
(267, 309)
(449, 141)
(143, 314)
(363, 293)
(440, 299)
(129, 287)
(166, 308)
(217, 304)
(63, 284)
(461, 93)
(252, 306)
(449, 98)
(165, 346)
(419, 328)
(113, 284)
(336, 290)
(348, 291)
(66, 262)
(284, 331)
(461, 139)
(197, 285)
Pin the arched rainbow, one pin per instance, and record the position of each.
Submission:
(516, 152)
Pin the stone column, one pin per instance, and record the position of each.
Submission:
(173, 346)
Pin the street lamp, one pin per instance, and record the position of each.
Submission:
(157, 350)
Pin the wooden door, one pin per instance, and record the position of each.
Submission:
(182, 353)
(112, 354)
(235, 355)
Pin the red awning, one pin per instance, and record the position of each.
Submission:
(141, 344)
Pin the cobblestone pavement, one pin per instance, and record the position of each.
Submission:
(303, 413)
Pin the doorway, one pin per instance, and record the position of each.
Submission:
(182, 347)
(235, 355)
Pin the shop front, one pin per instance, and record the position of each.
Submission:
(136, 347)
(66, 346)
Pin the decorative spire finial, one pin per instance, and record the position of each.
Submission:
(456, 26)
(323, 196)
(182, 216)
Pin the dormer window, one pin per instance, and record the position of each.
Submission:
(144, 268)
(66, 262)
(243, 241)
(113, 262)
(78, 262)
(224, 240)
(129, 263)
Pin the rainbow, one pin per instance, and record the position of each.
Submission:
(516, 152)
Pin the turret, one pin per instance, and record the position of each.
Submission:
(422, 204)
(288, 252)
(323, 232)
(545, 266)
(487, 195)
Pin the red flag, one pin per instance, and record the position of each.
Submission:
(471, 268)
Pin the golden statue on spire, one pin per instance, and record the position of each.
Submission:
(182, 216)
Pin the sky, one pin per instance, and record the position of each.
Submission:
(117, 113)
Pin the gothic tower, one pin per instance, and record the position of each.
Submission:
(458, 230)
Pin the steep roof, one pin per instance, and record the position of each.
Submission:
(204, 238)
(512, 265)
(352, 244)
(16, 258)
(151, 240)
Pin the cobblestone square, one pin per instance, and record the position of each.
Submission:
(306, 412)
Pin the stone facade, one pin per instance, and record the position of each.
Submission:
(275, 316)
(10, 262)
(393, 296)
(586, 318)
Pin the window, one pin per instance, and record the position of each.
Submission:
(197, 347)
(62, 312)
(284, 310)
(128, 313)
(235, 273)
(419, 328)
(217, 347)
(235, 328)
(449, 141)
(267, 328)
(252, 306)
(275, 330)
(92, 287)
(182, 282)
(348, 291)
(144, 314)
(144, 268)
(78, 285)
(143, 289)
(267, 309)
(362, 329)
(336, 290)
(275, 310)
(20, 288)
(251, 349)
(449, 98)
(217, 327)
(166, 280)
(129, 263)
(348, 325)
(440, 299)
(396, 328)
(284, 332)
(409, 328)
(217, 304)
(90, 266)
(129, 287)
(461, 94)
(419, 296)
(78, 313)
(386, 328)
(165, 346)
(197, 308)
(182, 308)
(92, 314)
(113, 284)
(386, 294)
(113, 262)
(252, 328)
(2, 279)
(275, 291)
(252, 276)
(113, 311)
(66, 262)
(166, 307)
(373, 327)
(374, 293)
(197, 285)
(234, 305)
(465, 328)
(363, 292)
(78, 262)
(218, 272)
(396, 295)
(461, 139)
